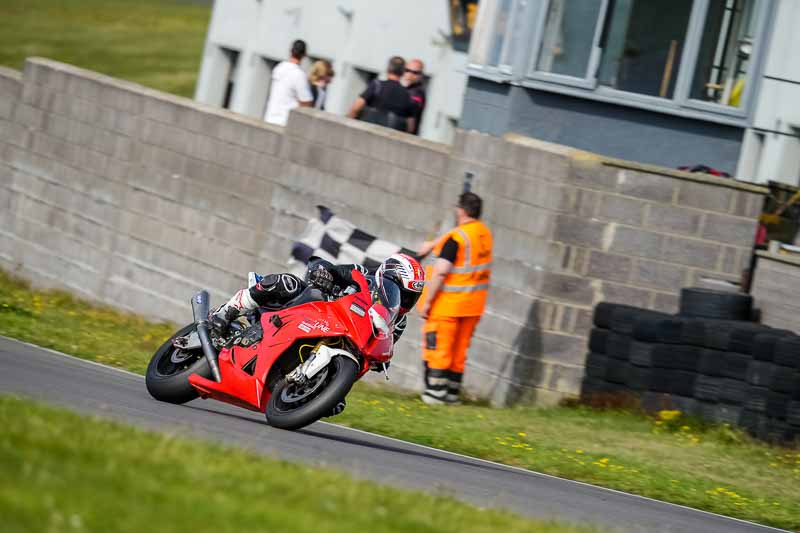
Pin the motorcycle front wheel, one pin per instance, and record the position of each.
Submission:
(293, 406)
(167, 376)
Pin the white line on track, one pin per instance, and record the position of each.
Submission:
(531, 473)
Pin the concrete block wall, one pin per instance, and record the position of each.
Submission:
(776, 284)
(595, 229)
(136, 198)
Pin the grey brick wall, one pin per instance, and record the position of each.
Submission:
(137, 198)
(776, 285)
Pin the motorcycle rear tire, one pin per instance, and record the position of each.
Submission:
(174, 387)
(345, 372)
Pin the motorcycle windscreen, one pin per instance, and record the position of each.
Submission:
(389, 296)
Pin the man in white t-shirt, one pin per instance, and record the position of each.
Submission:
(290, 87)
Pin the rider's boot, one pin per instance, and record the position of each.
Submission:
(221, 318)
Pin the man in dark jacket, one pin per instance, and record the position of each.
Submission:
(413, 81)
(387, 102)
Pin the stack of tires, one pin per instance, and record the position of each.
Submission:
(710, 361)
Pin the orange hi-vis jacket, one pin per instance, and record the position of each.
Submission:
(466, 286)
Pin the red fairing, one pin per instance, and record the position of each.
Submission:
(347, 317)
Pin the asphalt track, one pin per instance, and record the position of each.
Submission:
(95, 389)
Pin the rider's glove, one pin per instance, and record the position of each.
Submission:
(321, 278)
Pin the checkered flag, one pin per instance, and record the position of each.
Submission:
(339, 241)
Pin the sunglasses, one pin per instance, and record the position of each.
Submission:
(417, 72)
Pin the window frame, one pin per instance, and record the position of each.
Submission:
(763, 12)
(522, 70)
(503, 71)
(589, 80)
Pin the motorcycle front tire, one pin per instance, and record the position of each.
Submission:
(345, 371)
(173, 386)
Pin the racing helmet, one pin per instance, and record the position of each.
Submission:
(407, 274)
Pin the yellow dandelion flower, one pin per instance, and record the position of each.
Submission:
(521, 434)
(668, 415)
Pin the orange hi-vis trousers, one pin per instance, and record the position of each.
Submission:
(444, 351)
(445, 341)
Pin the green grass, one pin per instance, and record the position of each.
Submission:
(63, 472)
(158, 43)
(712, 468)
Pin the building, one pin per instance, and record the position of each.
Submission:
(669, 82)
(247, 38)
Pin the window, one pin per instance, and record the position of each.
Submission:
(681, 56)
(725, 52)
(642, 45)
(569, 37)
(463, 14)
(491, 45)
(230, 76)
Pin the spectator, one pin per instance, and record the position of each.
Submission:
(387, 102)
(453, 299)
(320, 76)
(412, 80)
(289, 87)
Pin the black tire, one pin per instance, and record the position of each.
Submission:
(662, 330)
(169, 370)
(765, 344)
(787, 382)
(736, 365)
(707, 388)
(676, 357)
(638, 378)
(598, 339)
(618, 346)
(742, 340)
(641, 353)
(596, 366)
(733, 392)
(757, 400)
(617, 371)
(793, 414)
(761, 373)
(604, 311)
(686, 405)
(677, 382)
(778, 432)
(708, 303)
(624, 318)
(332, 389)
(754, 422)
(712, 362)
(777, 405)
(787, 351)
(724, 413)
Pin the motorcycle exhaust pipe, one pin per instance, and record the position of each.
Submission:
(200, 310)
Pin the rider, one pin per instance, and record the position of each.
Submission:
(276, 290)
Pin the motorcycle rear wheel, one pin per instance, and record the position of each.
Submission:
(167, 376)
(290, 407)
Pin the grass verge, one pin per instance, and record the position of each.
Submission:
(158, 43)
(712, 468)
(64, 472)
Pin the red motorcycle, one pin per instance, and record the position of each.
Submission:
(295, 364)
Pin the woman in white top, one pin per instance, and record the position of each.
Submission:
(320, 76)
